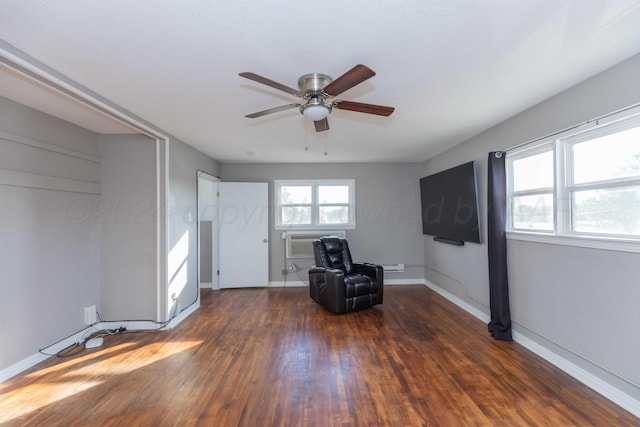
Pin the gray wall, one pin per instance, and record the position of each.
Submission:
(129, 239)
(183, 198)
(577, 302)
(127, 217)
(49, 248)
(79, 225)
(132, 174)
(387, 211)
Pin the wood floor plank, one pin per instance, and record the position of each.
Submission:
(272, 357)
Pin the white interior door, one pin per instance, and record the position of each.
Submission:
(243, 218)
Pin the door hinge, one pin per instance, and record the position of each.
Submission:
(218, 272)
(217, 193)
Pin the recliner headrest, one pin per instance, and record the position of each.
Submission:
(332, 244)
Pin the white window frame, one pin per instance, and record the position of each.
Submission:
(529, 151)
(561, 143)
(315, 204)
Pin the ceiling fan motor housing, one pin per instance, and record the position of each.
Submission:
(311, 85)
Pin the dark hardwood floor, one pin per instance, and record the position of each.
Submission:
(272, 357)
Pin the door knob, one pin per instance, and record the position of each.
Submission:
(264, 240)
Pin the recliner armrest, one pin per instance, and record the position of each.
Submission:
(332, 272)
(368, 269)
(330, 288)
(316, 270)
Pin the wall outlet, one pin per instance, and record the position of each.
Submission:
(90, 315)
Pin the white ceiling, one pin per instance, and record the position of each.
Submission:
(451, 68)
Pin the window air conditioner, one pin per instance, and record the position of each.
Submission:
(299, 242)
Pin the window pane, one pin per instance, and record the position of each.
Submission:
(292, 215)
(533, 212)
(333, 194)
(613, 211)
(334, 215)
(533, 172)
(609, 157)
(296, 194)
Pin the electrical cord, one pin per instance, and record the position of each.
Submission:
(459, 282)
(80, 346)
(302, 279)
(62, 353)
(92, 332)
(296, 269)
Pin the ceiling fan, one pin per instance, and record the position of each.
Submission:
(317, 90)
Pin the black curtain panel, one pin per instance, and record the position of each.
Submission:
(500, 324)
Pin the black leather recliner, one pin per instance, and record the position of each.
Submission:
(340, 285)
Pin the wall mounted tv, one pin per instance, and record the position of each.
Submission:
(450, 205)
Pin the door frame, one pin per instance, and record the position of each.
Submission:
(208, 212)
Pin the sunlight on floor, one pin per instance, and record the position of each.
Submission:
(45, 388)
(78, 360)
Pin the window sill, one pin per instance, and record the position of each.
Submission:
(610, 244)
(315, 227)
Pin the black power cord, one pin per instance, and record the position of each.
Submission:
(78, 347)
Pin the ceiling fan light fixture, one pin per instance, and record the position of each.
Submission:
(316, 112)
(315, 109)
(317, 91)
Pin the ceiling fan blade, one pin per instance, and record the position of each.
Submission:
(360, 107)
(272, 110)
(322, 125)
(268, 82)
(353, 77)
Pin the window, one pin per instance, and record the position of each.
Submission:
(531, 184)
(583, 183)
(315, 204)
(603, 182)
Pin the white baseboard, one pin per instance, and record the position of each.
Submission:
(136, 325)
(459, 302)
(587, 378)
(300, 283)
(392, 282)
(288, 284)
(36, 358)
(184, 314)
(600, 386)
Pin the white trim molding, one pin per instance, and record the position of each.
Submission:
(45, 182)
(48, 147)
(605, 243)
(600, 386)
(605, 389)
(81, 336)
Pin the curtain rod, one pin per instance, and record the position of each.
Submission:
(622, 110)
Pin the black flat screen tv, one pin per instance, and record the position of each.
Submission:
(450, 205)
